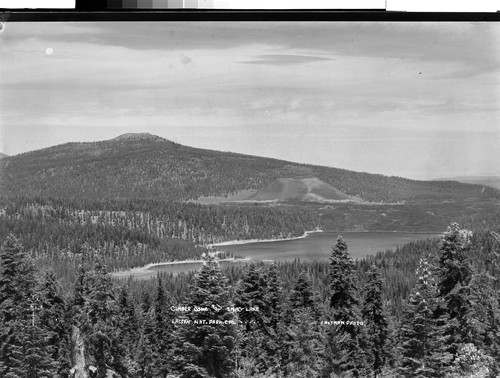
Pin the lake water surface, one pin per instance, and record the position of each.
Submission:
(315, 246)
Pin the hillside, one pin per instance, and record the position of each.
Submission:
(492, 181)
(309, 189)
(3, 155)
(144, 166)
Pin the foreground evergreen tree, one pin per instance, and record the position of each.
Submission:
(36, 354)
(145, 355)
(302, 294)
(375, 319)
(76, 319)
(345, 339)
(258, 290)
(210, 336)
(11, 261)
(344, 300)
(128, 320)
(272, 311)
(129, 329)
(303, 342)
(485, 314)
(422, 335)
(455, 273)
(272, 315)
(251, 292)
(163, 331)
(100, 324)
(52, 319)
(454, 259)
(24, 346)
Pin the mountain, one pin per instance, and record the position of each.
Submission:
(308, 189)
(138, 136)
(3, 155)
(492, 181)
(144, 166)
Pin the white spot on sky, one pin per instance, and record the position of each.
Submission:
(49, 51)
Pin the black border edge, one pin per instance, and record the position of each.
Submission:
(9, 15)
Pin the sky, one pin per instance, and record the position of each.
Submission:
(417, 100)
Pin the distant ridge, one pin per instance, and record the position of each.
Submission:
(143, 166)
(491, 181)
(2, 155)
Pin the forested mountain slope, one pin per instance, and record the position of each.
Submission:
(491, 181)
(144, 166)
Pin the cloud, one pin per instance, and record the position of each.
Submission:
(285, 59)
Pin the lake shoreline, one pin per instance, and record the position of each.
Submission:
(252, 241)
(146, 269)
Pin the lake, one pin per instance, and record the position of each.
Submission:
(315, 246)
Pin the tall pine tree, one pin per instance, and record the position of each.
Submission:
(257, 290)
(129, 332)
(345, 339)
(455, 273)
(210, 336)
(100, 327)
(145, 355)
(251, 292)
(53, 320)
(303, 354)
(485, 314)
(375, 319)
(24, 346)
(422, 335)
(163, 332)
(344, 300)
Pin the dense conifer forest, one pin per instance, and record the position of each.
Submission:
(124, 234)
(73, 214)
(428, 309)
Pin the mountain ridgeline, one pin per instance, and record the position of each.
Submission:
(144, 166)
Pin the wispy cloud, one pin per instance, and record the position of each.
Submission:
(285, 59)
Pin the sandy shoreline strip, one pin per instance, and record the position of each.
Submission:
(252, 241)
(145, 270)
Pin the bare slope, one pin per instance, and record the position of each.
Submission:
(310, 189)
